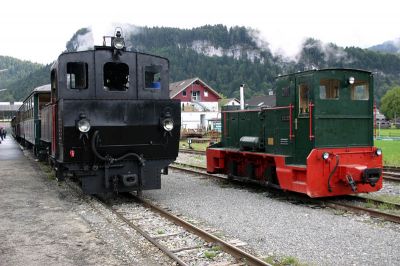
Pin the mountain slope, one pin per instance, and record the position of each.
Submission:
(13, 70)
(392, 46)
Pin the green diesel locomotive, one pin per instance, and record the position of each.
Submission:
(317, 140)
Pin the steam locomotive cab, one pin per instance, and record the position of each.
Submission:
(317, 140)
(112, 122)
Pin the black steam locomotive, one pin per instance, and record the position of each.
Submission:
(106, 118)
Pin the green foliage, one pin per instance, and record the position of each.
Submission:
(13, 70)
(390, 105)
(283, 261)
(210, 254)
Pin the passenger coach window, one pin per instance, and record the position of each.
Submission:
(152, 77)
(329, 89)
(360, 91)
(77, 77)
(303, 98)
(116, 76)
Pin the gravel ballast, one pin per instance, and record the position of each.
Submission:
(276, 227)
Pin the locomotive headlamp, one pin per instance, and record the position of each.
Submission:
(118, 42)
(83, 125)
(168, 124)
(351, 80)
(325, 156)
(378, 152)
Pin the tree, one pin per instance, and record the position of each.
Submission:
(390, 104)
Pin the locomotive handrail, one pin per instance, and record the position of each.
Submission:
(374, 119)
(310, 107)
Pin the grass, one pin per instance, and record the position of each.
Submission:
(196, 146)
(388, 132)
(47, 170)
(386, 197)
(283, 261)
(160, 231)
(390, 150)
(381, 206)
(210, 254)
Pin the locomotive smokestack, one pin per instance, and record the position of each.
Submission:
(242, 97)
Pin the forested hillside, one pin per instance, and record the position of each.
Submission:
(227, 57)
(12, 71)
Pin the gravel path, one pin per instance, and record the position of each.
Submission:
(273, 227)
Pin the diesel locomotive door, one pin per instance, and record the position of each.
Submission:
(303, 118)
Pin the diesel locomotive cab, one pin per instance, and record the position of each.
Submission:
(113, 122)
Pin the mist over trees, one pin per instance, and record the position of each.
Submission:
(224, 58)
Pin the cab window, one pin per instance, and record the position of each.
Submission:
(77, 77)
(303, 98)
(152, 77)
(53, 85)
(116, 76)
(360, 91)
(329, 89)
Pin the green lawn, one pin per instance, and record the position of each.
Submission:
(388, 132)
(391, 151)
(196, 146)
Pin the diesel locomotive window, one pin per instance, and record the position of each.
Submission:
(116, 76)
(329, 89)
(303, 98)
(360, 91)
(77, 77)
(152, 77)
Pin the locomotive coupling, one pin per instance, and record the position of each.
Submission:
(130, 180)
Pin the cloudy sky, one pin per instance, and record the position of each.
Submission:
(38, 30)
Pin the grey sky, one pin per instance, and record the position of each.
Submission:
(38, 30)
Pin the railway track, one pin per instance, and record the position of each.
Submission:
(192, 151)
(183, 242)
(391, 173)
(356, 204)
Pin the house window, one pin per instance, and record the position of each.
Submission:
(116, 76)
(205, 93)
(77, 77)
(184, 93)
(195, 96)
